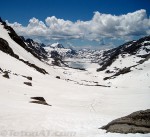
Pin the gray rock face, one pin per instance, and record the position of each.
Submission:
(137, 122)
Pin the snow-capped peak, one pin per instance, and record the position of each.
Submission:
(56, 45)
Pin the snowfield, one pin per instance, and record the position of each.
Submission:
(79, 107)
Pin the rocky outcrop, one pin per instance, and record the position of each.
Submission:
(39, 100)
(41, 70)
(28, 83)
(27, 77)
(58, 77)
(37, 48)
(121, 71)
(137, 122)
(57, 58)
(6, 75)
(71, 53)
(4, 46)
(38, 53)
(131, 48)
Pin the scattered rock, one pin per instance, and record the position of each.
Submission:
(108, 71)
(83, 69)
(97, 85)
(121, 71)
(6, 75)
(1, 70)
(15, 74)
(28, 83)
(29, 78)
(137, 122)
(58, 77)
(106, 78)
(39, 100)
(146, 59)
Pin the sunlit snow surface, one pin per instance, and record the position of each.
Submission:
(77, 110)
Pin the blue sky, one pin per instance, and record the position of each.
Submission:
(32, 14)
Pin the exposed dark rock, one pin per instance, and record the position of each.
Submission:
(55, 54)
(56, 62)
(98, 85)
(121, 71)
(39, 100)
(4, 46)
(131, 48)
(137, 122)
(20, 41)
(58, 77)
(136, 45)
(6, 75)
(41, 70)
(71, 53)
(110, 58)
(90, 85)
(57, 58)
(146, 58)
(29, 78)
(79, 68)
(28, 83)
(37, 48)
(106, 78)
(59, 46)
(1, 70)
(128, 69)
(108, 71)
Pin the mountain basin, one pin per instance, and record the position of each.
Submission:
(81, 63)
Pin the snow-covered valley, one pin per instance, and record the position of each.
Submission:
(82, 101)
(81, 63)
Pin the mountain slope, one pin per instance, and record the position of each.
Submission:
(139, 48)
(64, 52)
(31, 57)
(80, 105)
(36, 48)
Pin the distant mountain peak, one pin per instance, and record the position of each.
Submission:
(56, 45)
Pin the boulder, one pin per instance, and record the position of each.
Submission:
(6, 75)
(137, 122)
(58, 77)
(39, 100)
(28, 83)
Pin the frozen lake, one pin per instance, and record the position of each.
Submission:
(81, 63)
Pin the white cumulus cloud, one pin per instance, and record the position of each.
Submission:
(100, 26)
